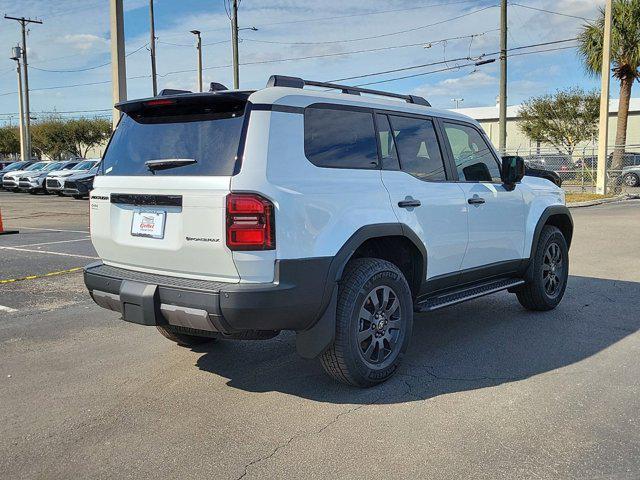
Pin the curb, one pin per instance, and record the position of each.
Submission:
(591, 203)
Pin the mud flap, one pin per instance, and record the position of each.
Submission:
(313, 342)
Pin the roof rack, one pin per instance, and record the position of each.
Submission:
(297, 82)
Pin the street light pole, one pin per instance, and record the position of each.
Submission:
(502, 142)
(603, 131)
(199, 48)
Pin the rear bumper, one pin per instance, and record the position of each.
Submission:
(295, 301)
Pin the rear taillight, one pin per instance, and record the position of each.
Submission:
(250, 222)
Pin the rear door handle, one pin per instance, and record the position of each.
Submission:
(409, 203)
(476, 200)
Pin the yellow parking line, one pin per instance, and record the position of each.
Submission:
(34, 277)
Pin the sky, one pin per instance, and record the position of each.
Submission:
(69, 54)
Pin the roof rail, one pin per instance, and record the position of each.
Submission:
(296, 82)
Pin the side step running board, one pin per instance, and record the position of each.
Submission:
(464, 294)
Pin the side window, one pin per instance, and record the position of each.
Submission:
(387, 145)
(340, 138)
(418, 147)
(473, 157)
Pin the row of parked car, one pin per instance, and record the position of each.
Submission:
(68, 177)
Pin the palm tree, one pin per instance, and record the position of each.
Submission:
(625, 57)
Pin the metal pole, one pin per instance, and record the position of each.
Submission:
(603, 131)
(27, 112)
(503, 77)
(152, 49)
(118, 64)
(23, 143)
(234, 44)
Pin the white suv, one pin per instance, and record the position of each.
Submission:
(238, 214)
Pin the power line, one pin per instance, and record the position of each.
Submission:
(383, 35)
(336, 54)
(449, 60)
(88, 68)
(551, 12)
(455, 67)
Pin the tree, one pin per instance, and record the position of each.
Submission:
(563, 119)
(625, 56)
(50, 137)
(86, 134)
(9, 140)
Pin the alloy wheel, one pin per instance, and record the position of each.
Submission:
(379, 326)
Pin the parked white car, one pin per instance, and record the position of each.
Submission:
(54, 182)
(33, 182)
(10, 180)
(238, 214)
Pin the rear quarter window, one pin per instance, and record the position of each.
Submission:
(338, 138)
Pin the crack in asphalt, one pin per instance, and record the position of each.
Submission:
(303, 435)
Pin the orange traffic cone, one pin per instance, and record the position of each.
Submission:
(2, 230)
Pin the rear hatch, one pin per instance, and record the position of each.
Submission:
(158, 203)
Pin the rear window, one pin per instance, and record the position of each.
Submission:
(209, 134)
(340, 138)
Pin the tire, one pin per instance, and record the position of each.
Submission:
(631, 180)
(362, 363)
(547, 275)
(77, 197)
(59, 194)
(182, 339)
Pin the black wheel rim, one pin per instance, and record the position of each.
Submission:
(553, 270)
(379, 326)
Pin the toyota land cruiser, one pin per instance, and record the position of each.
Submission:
(239, 214)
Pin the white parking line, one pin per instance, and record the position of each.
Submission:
(51, 230)
(45, 251)
(7, 309)
(52, 243)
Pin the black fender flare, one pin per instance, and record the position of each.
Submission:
(551, 211)
(313, 341)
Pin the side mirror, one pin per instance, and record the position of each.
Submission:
(512, 170)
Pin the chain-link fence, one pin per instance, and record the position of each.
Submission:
(579, 169)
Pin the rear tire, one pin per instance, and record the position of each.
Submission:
(77, 197)
(547, 274)
(182, 339)
(631, 180)
(374, 319)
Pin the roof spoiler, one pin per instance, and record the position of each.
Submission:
(297, 82)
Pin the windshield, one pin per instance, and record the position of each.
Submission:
(13, 166)
(36, 166)
(210, 136)
(86, 165)
(53, 166)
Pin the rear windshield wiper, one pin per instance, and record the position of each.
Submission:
(168, 163)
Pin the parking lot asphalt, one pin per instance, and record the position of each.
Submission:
(487, 389)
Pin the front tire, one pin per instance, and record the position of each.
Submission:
(182, 339)
(374, 319)
(548, 273)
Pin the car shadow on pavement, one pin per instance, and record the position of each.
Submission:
(482, 343)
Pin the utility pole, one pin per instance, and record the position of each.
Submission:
(152, 49)
(234, 43)
(457, 101)
(23, 144)
(27, 134)
(603, 131)
(118, 64)
(503, 78)
(199, 48)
